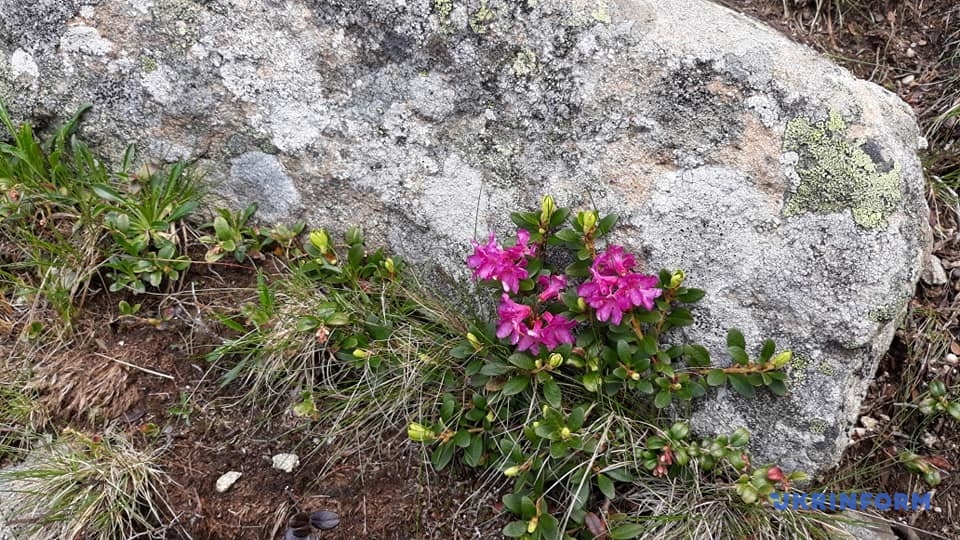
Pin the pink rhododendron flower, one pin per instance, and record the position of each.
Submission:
(614, 262)
(558, 330)
(637, 290)
(553, 285)
(522, 328)
(490, 261)
(614, 288)
(513, 318)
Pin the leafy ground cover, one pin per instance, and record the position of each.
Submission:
(217, 344)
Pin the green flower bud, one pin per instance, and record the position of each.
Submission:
(474, 341)
(390, 265)
(419, 433)
(361, 353)
(782, 359)
(565, 433)
(677, 279)
(547, 208)
(556, 360)
(581, 304)
(532, 524)
(490, 416)
(512, 471)
(635, 376)
(320, 240)
(588, 220)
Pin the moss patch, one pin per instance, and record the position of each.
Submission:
(836, 174)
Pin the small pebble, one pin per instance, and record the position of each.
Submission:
(868, 422)
(911, 53)
(907, 79)
(286, 462)
(227, 480)
(951, 358)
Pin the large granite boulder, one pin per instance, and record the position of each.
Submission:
(786, 187)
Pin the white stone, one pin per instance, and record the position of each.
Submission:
(286, 462)
(227, 480)
(22, 63)
(84, 39)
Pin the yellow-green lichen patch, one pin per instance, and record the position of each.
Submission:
(482, 17)
(817, 426)
(889, 311)
(824, 368)
(836, 174)
(797, 370)
(443, 8)
(602, 12)
(524, 63)
(148, 64)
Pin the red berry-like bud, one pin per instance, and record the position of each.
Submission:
(774, 474)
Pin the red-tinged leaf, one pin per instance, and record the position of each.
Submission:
(940, 462)
(494, 385)
(596, 525)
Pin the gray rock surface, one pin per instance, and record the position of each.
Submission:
(787, 188)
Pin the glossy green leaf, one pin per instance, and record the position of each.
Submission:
(551, 393)
(515, 385)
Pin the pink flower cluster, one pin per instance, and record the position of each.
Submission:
(508, 266)
(529, 332)
(614, 288)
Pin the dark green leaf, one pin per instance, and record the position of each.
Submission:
(551, 392)
(515, 529)
(738, 355)
(527, 508)
(522, 361)
(623, 351)
(462, 439)
(649, 345)
(578, 269)
(307, 324)
(606, 487)
(716, 377)
(575, 420)
(691, 295)
(442, 455)
(568, 235)
(512, 502)
(662, 399)
(549, 527)
(626, 531)
(644, 386)
(735, 339)
(680, 317)
(769, 347)
(494, 369)
(780, 389)
(607, 223)
(461, 351)
(741, 385)
(448, 407)
(355, 255)
(515, 385)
